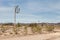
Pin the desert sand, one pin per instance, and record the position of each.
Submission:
(48, 36)
(44, 35)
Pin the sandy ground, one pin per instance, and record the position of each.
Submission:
(49, 36)
(43, 36)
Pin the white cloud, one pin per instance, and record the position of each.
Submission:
(34, 7)
(37, 7)
(6, 9)
(6, 13)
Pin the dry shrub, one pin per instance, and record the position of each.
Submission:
(49, 28)
(3, 29)
(39, 29)
(16, 29)
(35, 28)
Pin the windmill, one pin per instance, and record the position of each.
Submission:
(16, 11)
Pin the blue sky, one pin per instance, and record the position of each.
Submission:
(31, 11)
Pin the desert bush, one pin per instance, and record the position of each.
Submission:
(39, 29)
(16, 29)
(49, 28)
(35, 28)
(3, 29)
(18, 25)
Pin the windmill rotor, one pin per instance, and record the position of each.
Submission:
(17, 9)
